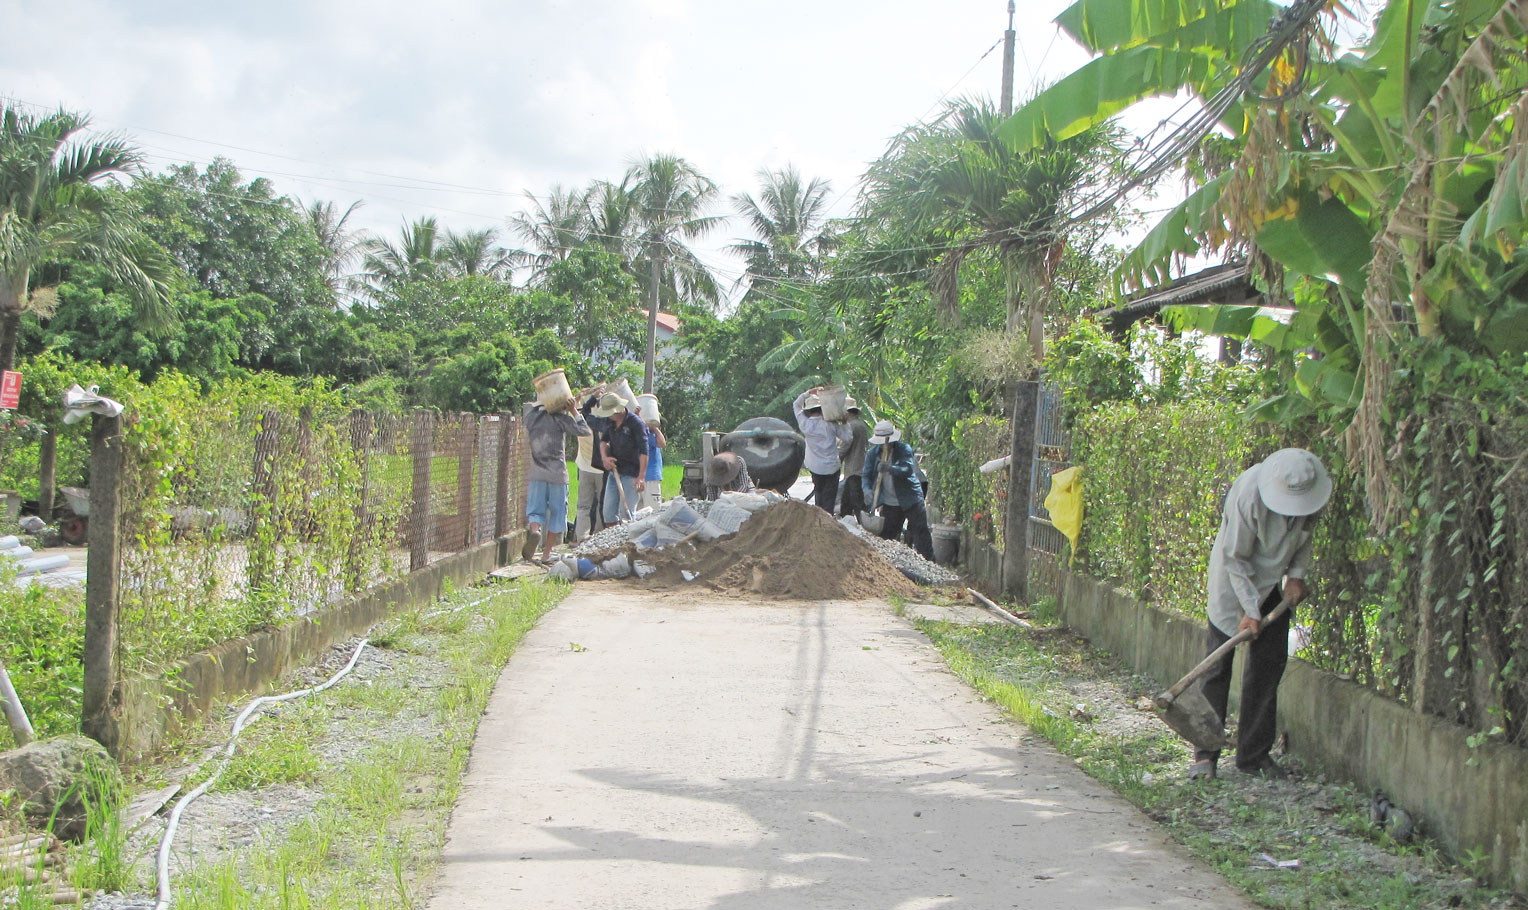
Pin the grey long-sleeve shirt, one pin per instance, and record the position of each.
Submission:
(547, 433)
(1255, 549)
(822, 439)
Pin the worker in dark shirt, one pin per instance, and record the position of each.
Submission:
(623, 447)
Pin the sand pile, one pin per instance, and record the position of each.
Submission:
(791, 550)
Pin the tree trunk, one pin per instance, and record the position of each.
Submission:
(654, 285)
(47, 465)
(13, 298)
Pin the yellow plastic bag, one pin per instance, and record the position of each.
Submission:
(1064, 503)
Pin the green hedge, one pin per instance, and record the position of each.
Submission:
(1154, 478)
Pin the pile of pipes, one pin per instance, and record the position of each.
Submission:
(34, 862)
(30, 566)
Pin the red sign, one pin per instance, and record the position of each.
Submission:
(10, 389)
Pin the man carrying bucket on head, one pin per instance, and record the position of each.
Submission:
(647, 409)
(623, 448)
(547, 426)
(822, 439)
(1260, 558)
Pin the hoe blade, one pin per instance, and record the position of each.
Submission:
(1192, 717)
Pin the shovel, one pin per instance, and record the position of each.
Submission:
(869, 520)
(1189, 713)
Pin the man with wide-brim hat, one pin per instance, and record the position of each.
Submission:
(1261, 556)
(729, 472)
(623, 449)
(891, 484)
(822, 439)
(851, 451)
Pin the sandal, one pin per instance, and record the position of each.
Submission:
(1202, 770)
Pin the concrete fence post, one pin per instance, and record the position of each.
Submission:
(423, 445)
(503, 521)
(103, 567)
(1026, 400)
(466, 457)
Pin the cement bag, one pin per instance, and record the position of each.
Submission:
(752, 502)
(1064, 503)
(678, 515)
(726, 517)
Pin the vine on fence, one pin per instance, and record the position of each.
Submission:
(1155, 479)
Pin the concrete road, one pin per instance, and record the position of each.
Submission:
(678, 751)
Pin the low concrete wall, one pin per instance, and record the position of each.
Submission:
(154, 708)
(1421, 762)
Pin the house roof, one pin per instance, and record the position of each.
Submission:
(1226, 283)
(667, 321)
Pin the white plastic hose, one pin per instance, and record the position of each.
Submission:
(239, 725)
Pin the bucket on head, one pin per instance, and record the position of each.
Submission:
(623, 388)
(552, 391)
(647, 408)
(835, 404)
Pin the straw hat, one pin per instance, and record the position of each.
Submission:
(725, 466)
(812, 403)
(1293, 482)
(851, 405)
(610, 405)
(884, 433)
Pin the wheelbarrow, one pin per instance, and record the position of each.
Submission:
(74, 518)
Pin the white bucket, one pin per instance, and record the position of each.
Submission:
(647, 408)
(552, 391)
(835, 404)
(623, 388)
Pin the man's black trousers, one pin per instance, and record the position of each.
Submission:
(1267, 654)
(853, 500)
(916, 518)
(825, 490)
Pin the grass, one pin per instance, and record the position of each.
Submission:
(379, 825)
(1344, 862)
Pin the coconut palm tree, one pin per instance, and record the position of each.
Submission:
(555, 228)
(415, 256)
(342, 246)
(964, 187)
(669, 200)
(52, 205)
(788, 217)
(477, 253)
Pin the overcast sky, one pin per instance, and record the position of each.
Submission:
(456, 108)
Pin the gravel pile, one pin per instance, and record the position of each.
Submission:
(909, 563)
(608, 539)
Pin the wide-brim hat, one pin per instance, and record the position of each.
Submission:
(812, 403)
(1293, 482)
(850, 404)
(884, 433)
(610, 405)
(725, 466)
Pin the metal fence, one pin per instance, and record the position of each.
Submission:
(1052, 454)
(248, 518)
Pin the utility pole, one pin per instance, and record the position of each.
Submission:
(1006, 101)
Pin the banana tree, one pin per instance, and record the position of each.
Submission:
(1387, 182)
